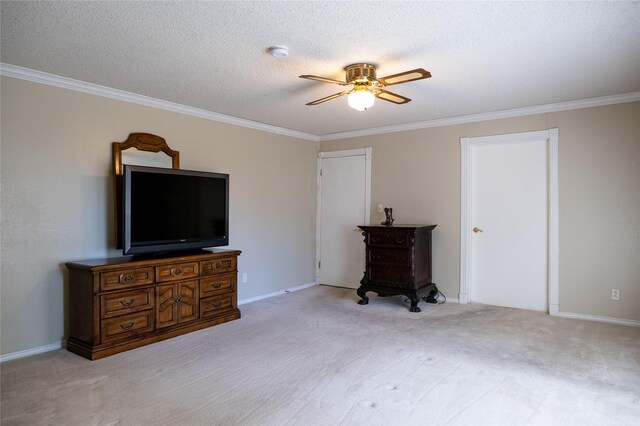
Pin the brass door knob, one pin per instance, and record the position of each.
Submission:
(476, 229)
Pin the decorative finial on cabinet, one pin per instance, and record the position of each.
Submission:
(388, 212)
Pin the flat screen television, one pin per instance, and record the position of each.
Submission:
(171, 210)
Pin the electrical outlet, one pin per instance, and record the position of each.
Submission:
(244, 278)
(615, 294)
(380, 208)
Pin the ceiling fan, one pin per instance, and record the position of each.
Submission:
(365, 87)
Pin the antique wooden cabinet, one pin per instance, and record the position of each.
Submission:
(118, 304)
(398, 262)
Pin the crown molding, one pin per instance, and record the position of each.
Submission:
(495, 115)
(121, 95)
(95, 89)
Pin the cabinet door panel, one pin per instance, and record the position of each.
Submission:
(188, 301)
(166, 305)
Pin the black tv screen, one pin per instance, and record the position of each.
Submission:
(169, 210)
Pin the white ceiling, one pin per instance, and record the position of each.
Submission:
(484, 56)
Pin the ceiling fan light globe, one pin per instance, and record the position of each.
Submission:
(361, 99)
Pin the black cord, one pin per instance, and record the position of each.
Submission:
(438, 294)
(437, 297)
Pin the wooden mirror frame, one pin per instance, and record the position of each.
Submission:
(142, 142)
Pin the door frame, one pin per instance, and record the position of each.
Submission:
(551, 136)
(367, 196)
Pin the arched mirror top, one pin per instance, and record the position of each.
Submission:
(140, 149)
(144, 149)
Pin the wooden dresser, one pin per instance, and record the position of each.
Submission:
(117, 304)
(398, 262)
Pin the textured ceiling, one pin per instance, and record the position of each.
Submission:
(484, 56)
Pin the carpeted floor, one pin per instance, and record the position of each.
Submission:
(315, 357)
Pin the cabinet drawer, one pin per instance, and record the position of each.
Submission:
(113, 304)
(390, 275)
(176, 271)
(388, 238)
(126, 326)
(125, 278)
(211, 306)
(389, 257)
(218, 284)
(217, 266)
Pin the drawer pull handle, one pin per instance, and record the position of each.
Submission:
(125, 278)
(399, 240)
(216, 285)
(176, 271)
(216, 304)
(179, 299)
(127, 302)
(127, 326)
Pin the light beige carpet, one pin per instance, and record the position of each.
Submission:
(315, 357)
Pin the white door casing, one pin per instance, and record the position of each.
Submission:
(472, 158)
(344, 201)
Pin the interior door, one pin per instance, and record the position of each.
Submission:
(509, 216)
(343, 206)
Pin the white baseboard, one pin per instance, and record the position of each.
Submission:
(610, 320)
(32, 351)
(275, 293)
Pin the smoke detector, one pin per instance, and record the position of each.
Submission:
(279, 51)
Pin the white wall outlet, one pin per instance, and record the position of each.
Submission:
(615, 294)
(244, 278)
(380, 208)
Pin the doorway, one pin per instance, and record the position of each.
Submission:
(509, 220)
(344, 202)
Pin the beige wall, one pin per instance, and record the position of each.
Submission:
(418, 174)
(56, 197)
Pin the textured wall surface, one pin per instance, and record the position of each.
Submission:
(57, 197)
(418, 174)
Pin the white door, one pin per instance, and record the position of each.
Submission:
(343, 205)
(509, 216)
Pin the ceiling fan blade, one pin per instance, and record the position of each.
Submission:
(392, 97)
(323, 79)
(328, 98)
(403, 77)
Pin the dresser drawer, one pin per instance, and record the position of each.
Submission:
(120, 303)
(126, 326)
(390, 275)
(379, 256)
(388, 239)
(126, 278)
(217, 284)
(213, 305)
(218, 266)
(176, 272)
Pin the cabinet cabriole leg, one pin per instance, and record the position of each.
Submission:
(363, 295)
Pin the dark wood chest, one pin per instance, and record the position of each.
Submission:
(398, 262)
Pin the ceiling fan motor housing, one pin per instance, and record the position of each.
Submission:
(361, 73)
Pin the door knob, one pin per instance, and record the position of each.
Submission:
(476, 230)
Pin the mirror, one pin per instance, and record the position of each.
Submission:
(140, 149)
